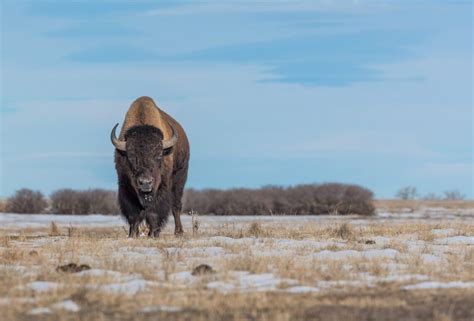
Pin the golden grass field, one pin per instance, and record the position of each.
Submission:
(415, 265)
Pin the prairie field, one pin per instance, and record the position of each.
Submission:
(404, 263)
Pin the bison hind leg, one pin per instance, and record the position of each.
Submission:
(179, 180)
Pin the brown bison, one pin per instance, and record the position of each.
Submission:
(151, 159)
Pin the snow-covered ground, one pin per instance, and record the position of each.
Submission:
(297, 255)
(44, 220)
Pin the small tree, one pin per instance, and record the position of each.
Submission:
(26, 201)
(407, 193)
(454, 195)
(431, 197)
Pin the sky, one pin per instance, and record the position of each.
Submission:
(375, 93)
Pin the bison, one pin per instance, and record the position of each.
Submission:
(151, 160)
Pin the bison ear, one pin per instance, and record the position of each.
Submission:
(167, 151)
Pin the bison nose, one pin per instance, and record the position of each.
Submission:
(145, 183)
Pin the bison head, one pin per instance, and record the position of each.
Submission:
(144, 149)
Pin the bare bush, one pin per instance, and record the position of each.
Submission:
(432, 197)
(92, 201)
(26, 201)
(454, 195)
(330, 198)
(407, 193)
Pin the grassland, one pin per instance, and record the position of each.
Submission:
(417, 265)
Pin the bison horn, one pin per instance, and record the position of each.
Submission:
(119, 144)
(170, 142)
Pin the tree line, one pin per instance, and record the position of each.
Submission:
(63, 201)
(411, 193)
(329, 198)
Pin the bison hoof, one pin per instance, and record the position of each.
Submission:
(154, 234)
(178, 232)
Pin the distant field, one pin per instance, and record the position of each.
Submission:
(403, 205)
(415, 266)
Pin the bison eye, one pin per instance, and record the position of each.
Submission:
(132, 160)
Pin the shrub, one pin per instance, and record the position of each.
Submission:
(331, 198)
(92, 201)
(432, 197)
(454, 195)
(407, 193)
(26, 201)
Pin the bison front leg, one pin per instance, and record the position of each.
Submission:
(157, 218)
(130, 211)
(155, 223)
(134, 223)
(154, 227)
(134, 229)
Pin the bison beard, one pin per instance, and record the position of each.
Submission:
(154, 211)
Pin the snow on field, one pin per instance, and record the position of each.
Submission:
(162, 308)
(439, 285)
(367, 254)
(66, 305)
(41, 286)
(129, 287)
(292, 254)
(44, 220)
(99, 273)
(469, 240)
(244, 281)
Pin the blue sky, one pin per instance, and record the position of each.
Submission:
(377, 93)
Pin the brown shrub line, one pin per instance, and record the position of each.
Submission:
(329, 198)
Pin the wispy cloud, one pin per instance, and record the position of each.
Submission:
(448, 170)
(58, 155)
(374, 144)
(286, 6)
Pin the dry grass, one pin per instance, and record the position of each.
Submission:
(395, 206)
(291, 250)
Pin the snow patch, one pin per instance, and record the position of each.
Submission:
(468, 240)
(38, 311)
(108, 273)
(368, 254)
(430, 258)
(160, 308)
(41, 286)
(439, 285)
(243, 281)
(182, 277)
(198, 251)
(5, 301)
(306, 243)
(67, 305)
(302, 289)
(130, 287)
(221, 286)
(442, 232)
